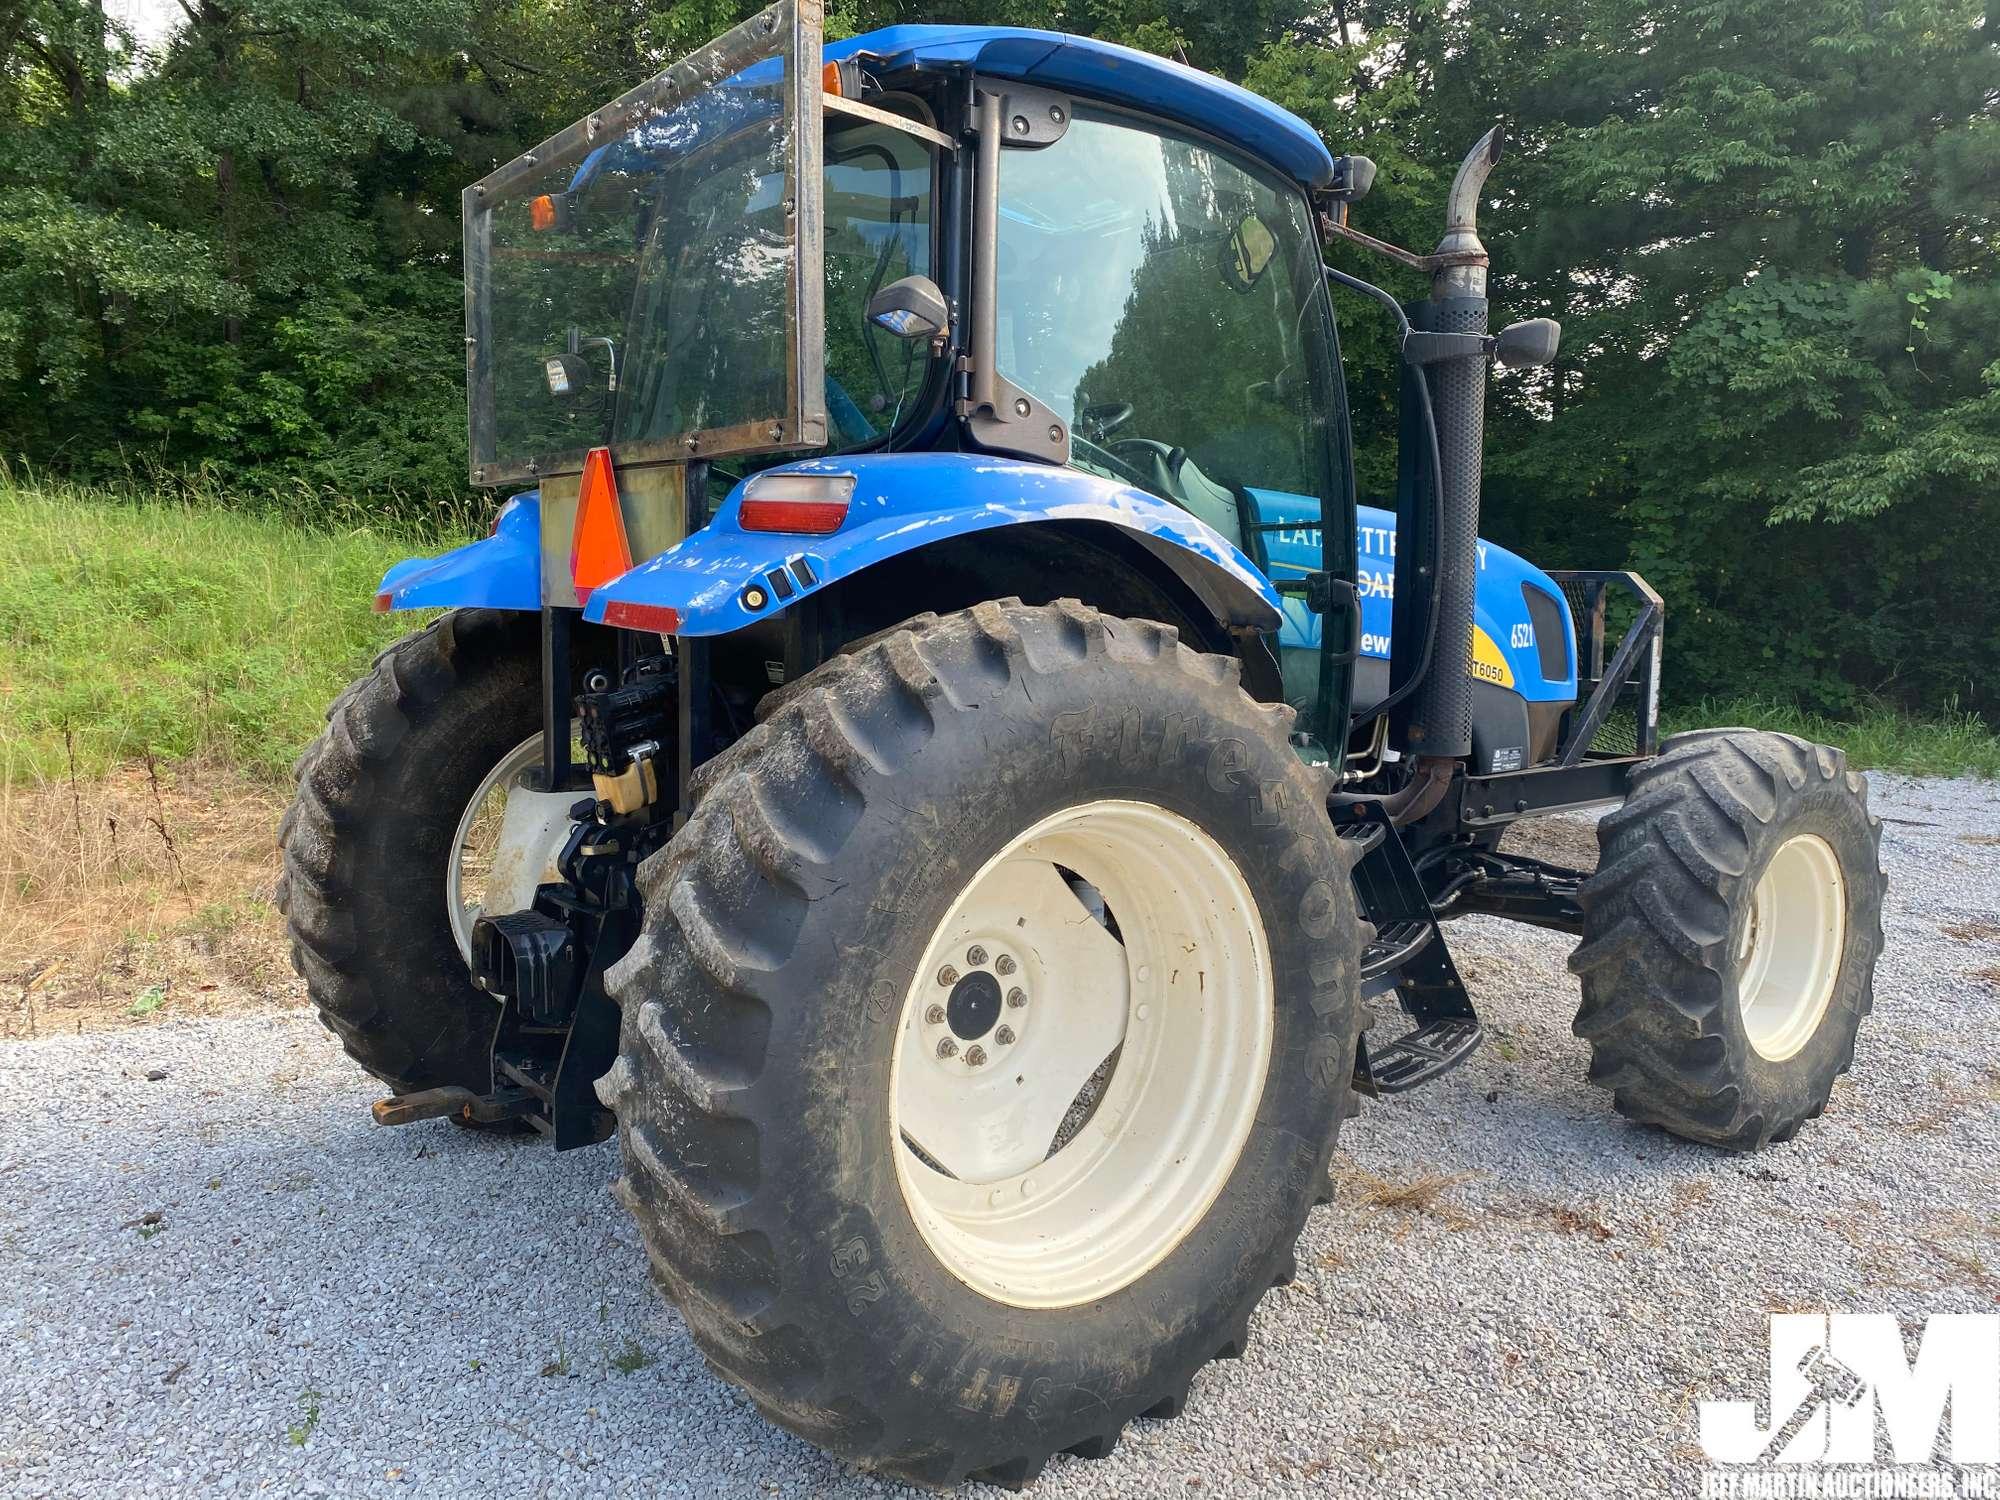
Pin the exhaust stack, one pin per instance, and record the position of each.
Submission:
(1440, 722)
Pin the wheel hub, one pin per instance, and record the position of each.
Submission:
(974, 1006)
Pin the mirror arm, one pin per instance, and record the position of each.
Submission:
(1428, 264)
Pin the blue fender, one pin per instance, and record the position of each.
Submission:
(503, 571)
(905, 501)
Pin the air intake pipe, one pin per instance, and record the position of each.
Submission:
(1440, 718)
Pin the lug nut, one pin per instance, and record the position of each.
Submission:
(1017, 998)
(975, 955)
(1003, 964)
(1004, 1036)
(947, 1048)
(935, 1015)
(975, 1056)
(947, 976)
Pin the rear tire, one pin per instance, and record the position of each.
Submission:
(1730, 936)
(767, 1006)
(370, 829)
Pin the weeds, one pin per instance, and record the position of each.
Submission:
(299, 1431)
(88, 928)
(148, 1224)
(1420, 1196)
(631, 1359)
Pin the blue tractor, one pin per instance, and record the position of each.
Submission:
(936, 758)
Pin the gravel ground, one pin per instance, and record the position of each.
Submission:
(224, 1279)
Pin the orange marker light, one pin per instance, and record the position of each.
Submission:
(542, 212)
(598, 548)
(829, 79)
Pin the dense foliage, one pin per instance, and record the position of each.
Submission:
(1767, 225)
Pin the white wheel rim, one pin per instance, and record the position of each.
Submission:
(1185, 1001)
(478, 837)
(1792, 940)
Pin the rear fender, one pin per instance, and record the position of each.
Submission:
(712, 582)
(502, 571)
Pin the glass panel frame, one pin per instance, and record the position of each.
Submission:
(789, 30)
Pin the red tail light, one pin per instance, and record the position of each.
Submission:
(629, 615)
(808, 504)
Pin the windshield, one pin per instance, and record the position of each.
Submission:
(650, 277)
(1167, 302)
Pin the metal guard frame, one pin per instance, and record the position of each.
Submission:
(796, 26)
(1637, 658)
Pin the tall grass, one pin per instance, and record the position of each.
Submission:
(141, 625)
(186, 625)
(1948, 742)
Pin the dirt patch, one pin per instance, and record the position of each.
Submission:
(143, 895)
(1982, 840)
(1566, 1220)
(1978, 930)
(1569, 841)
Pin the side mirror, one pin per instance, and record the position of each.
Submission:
(912, 308)
(567, 375)
(1353, 176)
(1527, 344)
(1250, 251)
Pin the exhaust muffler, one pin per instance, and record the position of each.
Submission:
(1439, 723)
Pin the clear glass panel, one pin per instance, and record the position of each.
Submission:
(707, 335)
(878, 230)
(1167, 302)
(641, 277)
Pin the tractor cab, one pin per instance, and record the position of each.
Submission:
(987, 241)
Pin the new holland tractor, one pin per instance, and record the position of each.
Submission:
(936, 760)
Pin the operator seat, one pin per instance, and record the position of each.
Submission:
(1172, 475)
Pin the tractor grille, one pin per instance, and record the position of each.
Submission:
(1619, 733)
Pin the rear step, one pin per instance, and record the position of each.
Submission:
(1395, 945)
(1408, 956)
(1423, 1054)
(1363, 837)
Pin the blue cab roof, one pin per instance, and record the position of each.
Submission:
(1121, 75)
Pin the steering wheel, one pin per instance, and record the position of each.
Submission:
(1102, 418)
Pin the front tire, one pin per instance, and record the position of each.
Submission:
(1730, 936)
(924, 828)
